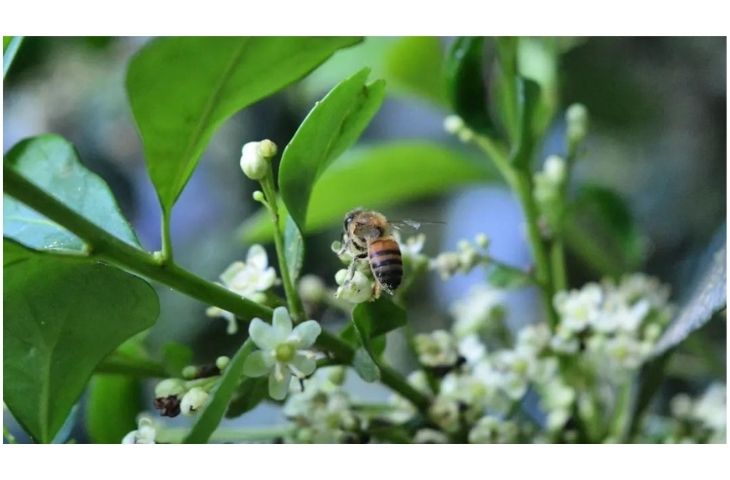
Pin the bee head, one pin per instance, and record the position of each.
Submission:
(350, 217)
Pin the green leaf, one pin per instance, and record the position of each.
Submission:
(220, 397)
(414, 169)
(330, 128)
(371, 321)
(709, 295)
(112, 408)
(293, 248)
(600, 230)
(176, 357)
(365, 365)
(416, 66)
(62, 316)
(51, 163)
(528, 101)
(249, 394)
(504, 88)
(467, 88)
(11, 45)
(182, 89)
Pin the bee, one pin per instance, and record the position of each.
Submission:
(369, 235)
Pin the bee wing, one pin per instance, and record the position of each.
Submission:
(410, 224)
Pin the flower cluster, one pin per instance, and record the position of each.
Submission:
(467, 256)
(701, 420)
(323, 413)
(248, 279)
(189, 394)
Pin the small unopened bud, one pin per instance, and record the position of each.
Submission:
(168, 387)
(482, 240)
(258, 196)
(554, 169)
(336, 375)
(255, 158)
(190, 372)
(222, 362)
(453, 124)
(312, 288)
(193, 400)
(577, 122)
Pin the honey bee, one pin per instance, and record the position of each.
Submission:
(369, 235)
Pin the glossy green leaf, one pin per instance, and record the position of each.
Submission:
(51, 163)
(112, 408)
(709, 295)
(182, 89)
(601, 231)
(62, 316)
(248, 396)
(293, 248)
(504, 86)
(11, 45)
(365, 366)
(415, 169)
(416, 65)
(334, 124)
(220, 397)
(467, 87)
(528, 101)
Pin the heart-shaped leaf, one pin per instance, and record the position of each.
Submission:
(330, 128)
(62, 316)
(182, 89)
(51, 163)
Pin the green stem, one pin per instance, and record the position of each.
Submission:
(106, 247)
(292, 296)
(557, 261)
(622, 412)
(166, 238)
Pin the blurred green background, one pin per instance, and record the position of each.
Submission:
(657, 138)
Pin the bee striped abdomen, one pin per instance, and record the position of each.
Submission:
(386, 262)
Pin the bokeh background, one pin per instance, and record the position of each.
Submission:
(657, 137)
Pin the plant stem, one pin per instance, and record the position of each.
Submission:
(557, 261)
(165, 236)
(292, 296)
(120, 364)
(106, 247)
(222, 435)
(520, 183)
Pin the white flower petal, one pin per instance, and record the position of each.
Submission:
(257, 258)
(306, 333)
(262, 334)
(279, 382)
(282, 325)
(258, 364)
(304, 365)
(231, 272)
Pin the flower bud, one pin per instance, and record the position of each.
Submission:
(554, 169)
(311, 288)
(453, 124)
(577, 122)
(258, 196)
(336, 375)
(482, 240)
(222, 362)
(193, 400)
(189, 372)
(357, 290)
(169, 387)
(255, 158)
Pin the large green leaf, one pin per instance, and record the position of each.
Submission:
(62, 316)
(51, 163)
(330, 128)
(708, 296)
(600, 229)
(377, 177)
(11, 45)
(182, 89)
(112, 408)
(220, 397)
(415, 65)
(467, 87)
(528, 101)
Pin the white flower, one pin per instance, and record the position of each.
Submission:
(626, 351)
(402, 409)
(281, 351)
(446, 263)
(579, 308)
(472, 349)
(413, 245)
(256, 157)
(145, 432)
(491, 429)
(357, 289)
(556, 400)
(249, 280)
(193, 400)
(469, 391)
(444, 412)
(437, 349)
(533, 339)
(710, 409)
(477, 310)
(564, 341)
